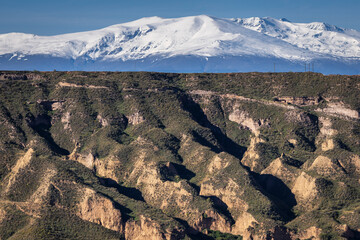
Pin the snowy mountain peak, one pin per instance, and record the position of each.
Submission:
(256, 23)
(142, 21)
(317, 37)
(200, 36)
(320, 26)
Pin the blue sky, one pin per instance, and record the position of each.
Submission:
(50, 17)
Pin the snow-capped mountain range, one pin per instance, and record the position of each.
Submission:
(190, 44)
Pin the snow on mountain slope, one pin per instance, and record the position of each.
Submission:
(199, 35)
(317, 37)
(224, 45)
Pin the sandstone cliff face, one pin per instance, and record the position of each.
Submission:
(103, 167)
(327, 167)
(73, 85)
(106, 167)
(244, 120)
(251, 157)
(340, 109)
(243, 225)
(100, 210)
(145, 228)
(175, 197)
(300, 101)
(281, 170)
(305, 189)
(232, 196)
(327, 134)
(212, 220)
(86, 160)
(231, 192)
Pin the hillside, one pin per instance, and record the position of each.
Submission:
(190, 44)
(145, 155)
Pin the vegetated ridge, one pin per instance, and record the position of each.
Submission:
(145, 155)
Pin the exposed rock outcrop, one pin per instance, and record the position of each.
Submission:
(326, 136)
(327, 145)
(299, 101)
(217, 163)
(305, 189)
(243, 225)
(103, 121)
(100, 210)
(104, 167)
(73, 85)
(350, 164)
(145, 228)
(326, 167)
(244, 120)
(293, 141)
(299, 117)
(21, 163)
(86, 160)
(355, 161)
(227, 97)
(251, 157)
(340, 109)
(231, 194)
(175, 197)
(52, 105)
(135, 118)
(326, 127)
(282, 171)
(23, 76)
(212, 220)
(65, 119)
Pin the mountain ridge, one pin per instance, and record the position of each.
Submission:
(154, 40)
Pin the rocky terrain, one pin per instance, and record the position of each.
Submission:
(103, 155)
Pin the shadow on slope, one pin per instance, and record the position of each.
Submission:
(126, 191)
(270, 186)
(277, 190)
(225, 143)
(41, 125)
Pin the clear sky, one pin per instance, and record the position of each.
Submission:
(50, 17)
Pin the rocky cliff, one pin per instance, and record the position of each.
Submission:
(179, 156)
